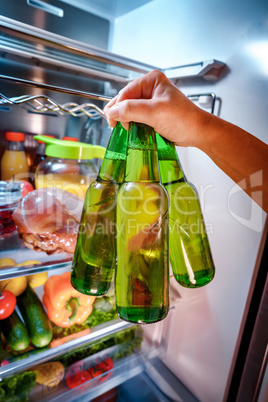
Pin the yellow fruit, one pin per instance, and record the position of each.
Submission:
(36, 280)
(7, 262)
(14, 285)
(29, 262)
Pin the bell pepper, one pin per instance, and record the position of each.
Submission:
(65, 306)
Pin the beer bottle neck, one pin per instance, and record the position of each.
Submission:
(113, 164)
(169, 164)
(142, 160)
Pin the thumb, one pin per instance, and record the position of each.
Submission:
(138, 110)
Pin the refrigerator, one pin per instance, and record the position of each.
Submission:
(212, 347)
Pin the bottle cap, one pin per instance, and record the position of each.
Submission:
(70, 139)
(70, 149)
(13, 136)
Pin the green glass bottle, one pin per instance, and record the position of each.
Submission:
(142, 270)
(189, 249)
(94, 257)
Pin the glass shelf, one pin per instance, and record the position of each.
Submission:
(24, 41)
(13, 248)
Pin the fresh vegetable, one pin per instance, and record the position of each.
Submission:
(129, 340)
(50, 372)
(76, 335)
(15, 332)
(14, 285)
(35, 318)
(7, 303)
(65, 306)
(17, 387)
(105, 366)
(76, 375)
(7, 262)
(37, 280)
(97, 317)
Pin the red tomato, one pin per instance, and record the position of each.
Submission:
(75, 376)
(95, 372)
(7, 304)
(109, 362)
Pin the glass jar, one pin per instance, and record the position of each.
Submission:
(69, 165)
(10, 197)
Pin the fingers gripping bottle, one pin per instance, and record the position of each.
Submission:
(189, 249)
(142, 270)
(94, 257)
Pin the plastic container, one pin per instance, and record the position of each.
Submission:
(14, 163)
(39, 157)
(10, 197)
(69, 165)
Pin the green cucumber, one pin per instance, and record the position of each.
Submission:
(15, 332)
(35, 317)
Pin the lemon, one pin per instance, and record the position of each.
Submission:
(37, 280)
(14, 285)
(7, 262)
(29, 262)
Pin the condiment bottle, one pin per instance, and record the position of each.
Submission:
(142, 270)
(14, 165)
(10, 197)
(68, 166)
(94, 257)
(189, 248)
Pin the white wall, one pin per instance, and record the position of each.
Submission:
(174, 32)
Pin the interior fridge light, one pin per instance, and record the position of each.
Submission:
(259, 51)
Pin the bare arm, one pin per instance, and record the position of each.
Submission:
(154, 100)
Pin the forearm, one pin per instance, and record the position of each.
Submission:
(243, 157)
(154, 100)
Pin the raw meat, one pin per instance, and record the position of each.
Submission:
(48, 220)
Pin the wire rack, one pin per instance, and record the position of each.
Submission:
(44, 104)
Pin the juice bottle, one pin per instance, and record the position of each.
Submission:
(14, 165)
(142, 270)
(94, 257)
(189, 248)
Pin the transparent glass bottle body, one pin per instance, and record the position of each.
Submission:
(190, 254)
(95, 258)
(14, 165)
(142, 270)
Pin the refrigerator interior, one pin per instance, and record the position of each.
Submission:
(200, 340)
(206, 331)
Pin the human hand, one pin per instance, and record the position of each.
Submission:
(154, 100)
